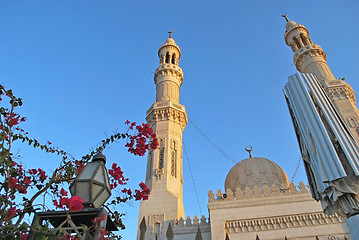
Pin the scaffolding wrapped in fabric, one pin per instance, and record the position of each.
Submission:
(329, 151)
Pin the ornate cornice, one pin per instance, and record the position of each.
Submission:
(338, 90)
(281, 222)
(308, 51)
(168, 70)
(167, 111)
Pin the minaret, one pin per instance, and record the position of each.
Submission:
(168, 118)
(310, 58)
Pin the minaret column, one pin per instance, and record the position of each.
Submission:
(310, 58)
(164, 175)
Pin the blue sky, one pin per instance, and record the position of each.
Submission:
(84, 67)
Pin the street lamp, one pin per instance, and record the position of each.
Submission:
(93, 186)
(92, 183)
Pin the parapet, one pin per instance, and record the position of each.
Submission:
(256, 192)
(203, 221)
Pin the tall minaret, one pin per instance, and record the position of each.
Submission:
(310, 58)
(168, 118)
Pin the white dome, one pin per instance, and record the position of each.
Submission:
(290, 25)
(255, 171)
(170, 41)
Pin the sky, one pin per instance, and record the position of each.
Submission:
(83, 68)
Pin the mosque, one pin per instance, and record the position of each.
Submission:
(258, 202)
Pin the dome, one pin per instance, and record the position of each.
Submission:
(170, 41)
(255, 171)
(290, 25)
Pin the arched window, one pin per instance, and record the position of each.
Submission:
(162, 153)
(156, 229)
(296, 42)
(143, 229)
(174, 58)
(169, 233)
(173, 158)
(168, 58)
(304, 39)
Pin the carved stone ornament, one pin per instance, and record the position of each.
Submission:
(157, 219)
(159, 173)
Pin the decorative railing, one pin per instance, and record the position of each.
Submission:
(282, 222)
(188, 222)
(256, 192)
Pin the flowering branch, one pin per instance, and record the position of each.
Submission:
(15, 181)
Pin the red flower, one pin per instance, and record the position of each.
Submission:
(79, 165)
(142, 140)
(11, 212)
(98, 220)
(128, 191)
(127, 122)
(23, 236)
(13, 121)
(102, 234)
(33, 171)
(142, 194)
(75, 204)
(27, 181)
(63, 192)
(117, 176)
(13, 183)
(56, 204)
(42, 174)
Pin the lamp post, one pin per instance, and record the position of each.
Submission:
(93, 186)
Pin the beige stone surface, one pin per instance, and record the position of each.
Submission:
(291, 213)
(255, 171)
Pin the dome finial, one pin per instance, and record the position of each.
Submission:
(170, 33)
(249, 150)
(285, 16)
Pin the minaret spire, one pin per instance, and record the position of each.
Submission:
(286, 17)
(168, 118)
(310, 58)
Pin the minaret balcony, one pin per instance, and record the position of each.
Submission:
(167, 66)
(167, 104)
(311, 50)
(167, 111)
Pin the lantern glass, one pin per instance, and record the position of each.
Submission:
(82, 190)
(88, 171)
(102, 198)
(92, 184)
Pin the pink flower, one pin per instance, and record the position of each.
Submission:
(75, 204)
